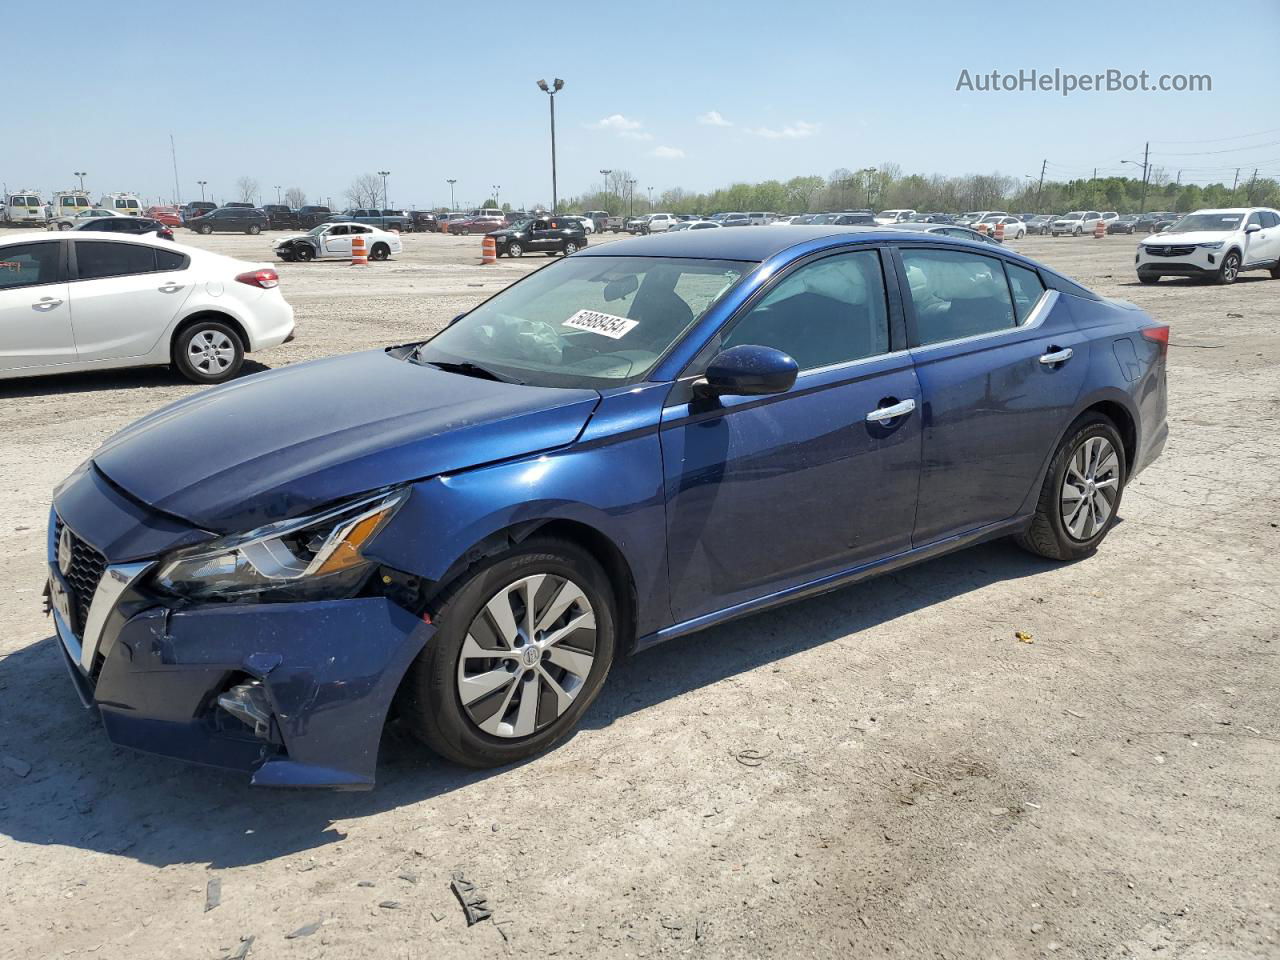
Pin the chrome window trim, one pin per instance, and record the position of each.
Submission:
(1044, 306)
(116, 579)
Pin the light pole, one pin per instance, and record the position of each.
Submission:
(453, 204)
(1146, 157)
(202, 186)
(384, 174)
(81, 175)
(650, 199)
(556, 86)
(631, 193)
(497, 188)
(605, 174)
(278, 193)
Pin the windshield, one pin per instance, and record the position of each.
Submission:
(1073, 215)
(316, 231)
(1208, 223)
(586, 321)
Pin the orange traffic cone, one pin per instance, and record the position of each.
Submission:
(1000, 231)
(359, 256)
(1099, 231)
(488, 251)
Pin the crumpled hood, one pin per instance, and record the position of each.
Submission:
(284, 442)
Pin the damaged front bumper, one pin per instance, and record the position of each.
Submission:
(323, 673)
(294, 693)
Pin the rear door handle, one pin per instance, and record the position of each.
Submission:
(881, 414)
(1056, 355)
(170, 288)
(46, 303)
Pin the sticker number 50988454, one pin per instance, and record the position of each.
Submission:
(604, 324)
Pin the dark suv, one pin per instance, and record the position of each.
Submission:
(280, 216)
(425, 221)
(549, 235)
(230, 220)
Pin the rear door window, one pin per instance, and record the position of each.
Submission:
(956, 295)
(29, 264)
(1027, 290)
(96, 259)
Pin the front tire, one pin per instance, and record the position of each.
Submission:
(380, 251)
(1230, 269)
(570, 248)
(1080, 498)
(253, 230)
(515, 250)
(523, 643)
(1148, 278)
(207, 352)
(304, 252)
(64, 226)
(1077, 232)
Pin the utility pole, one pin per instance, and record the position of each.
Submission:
(1146, 160)
(1236, 182)
(177, 191)
(1040, 188)
(453, 204)
(1178, 181)
(1249, 190)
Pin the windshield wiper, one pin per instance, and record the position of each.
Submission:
(469, 369)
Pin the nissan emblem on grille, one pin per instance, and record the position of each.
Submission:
(64, 551)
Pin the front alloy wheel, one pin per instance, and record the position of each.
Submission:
(1230, 268)
(527, 654)
(515, 250)
(523, 643)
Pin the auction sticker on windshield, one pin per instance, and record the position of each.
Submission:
(604, 324)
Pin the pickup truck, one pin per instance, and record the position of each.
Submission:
(280, 216)
(386, 219)
(312, 215)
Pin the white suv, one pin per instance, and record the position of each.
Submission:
(1213, 244)
(1075, 223)
(659, 222)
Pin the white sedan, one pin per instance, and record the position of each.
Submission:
(137, 301)
(332, 241)
(70, 221)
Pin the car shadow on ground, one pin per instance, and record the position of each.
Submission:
(81, 792)
(133, 378)
(1193, 281)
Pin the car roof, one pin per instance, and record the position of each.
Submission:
(754, 244)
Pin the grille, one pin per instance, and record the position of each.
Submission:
(1180, 251)
(87, 567)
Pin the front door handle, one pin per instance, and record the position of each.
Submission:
(170, 288)
(1056, 355)
(46, 303)
(882, 414)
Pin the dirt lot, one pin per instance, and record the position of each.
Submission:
(885, 771)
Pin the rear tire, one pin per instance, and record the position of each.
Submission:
(253, 230)
(206, 229)
(570, 248)
(380, 251)
(64, 226)
(208, 351)
(1275, 271)
(431, 696)
(1076, 508)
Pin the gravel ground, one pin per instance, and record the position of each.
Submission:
(885, 771)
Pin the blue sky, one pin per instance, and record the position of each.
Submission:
(694, 94)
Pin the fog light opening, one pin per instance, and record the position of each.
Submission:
(248, 703)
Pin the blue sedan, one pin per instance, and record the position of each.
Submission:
(629, 445)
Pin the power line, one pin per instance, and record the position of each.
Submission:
(1238, 136)
(1210, 153)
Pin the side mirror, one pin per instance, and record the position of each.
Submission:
(747, 371)
(1253, 228)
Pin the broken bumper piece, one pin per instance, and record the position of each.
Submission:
(294, 693)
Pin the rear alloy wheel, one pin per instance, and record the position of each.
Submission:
(253, 230)
(1230, 268)
(1081, 494)
(64, 226)
(208, 351)
(515, 250)
(523, 644)
(570, 248)
(206, 229)
(380, 251)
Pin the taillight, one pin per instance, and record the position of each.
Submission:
(1158, 333)
(266, 279)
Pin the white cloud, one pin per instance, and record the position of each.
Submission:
(667, 153)
(617, 123)
(712, 118)
(792, 131)
(635, 135)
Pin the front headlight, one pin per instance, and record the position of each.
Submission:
(1216, 245)
(310, 558)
